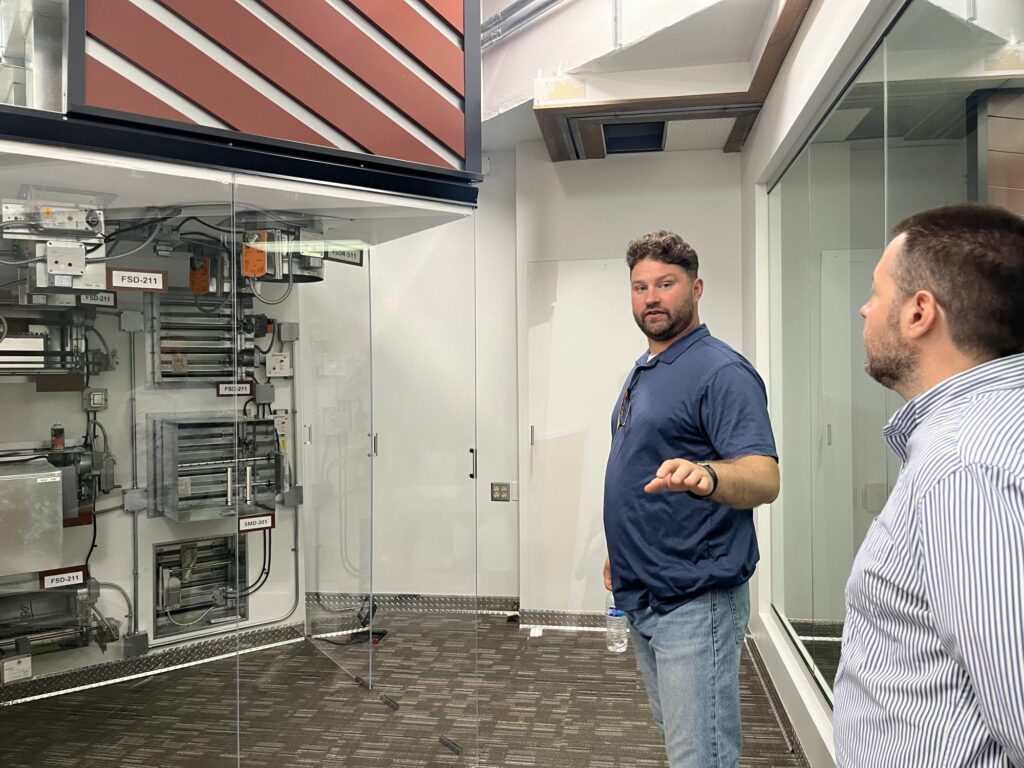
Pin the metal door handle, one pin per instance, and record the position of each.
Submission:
(248, 483)
(229, 487)
(472, 475)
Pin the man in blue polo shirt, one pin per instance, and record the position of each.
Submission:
(691, 418)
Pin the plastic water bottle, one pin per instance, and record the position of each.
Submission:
(618, 631)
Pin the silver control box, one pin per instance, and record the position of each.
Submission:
(31, 517)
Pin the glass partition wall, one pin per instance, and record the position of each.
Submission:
(935, 116)
(237, 485)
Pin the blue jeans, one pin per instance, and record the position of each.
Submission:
(690, 661)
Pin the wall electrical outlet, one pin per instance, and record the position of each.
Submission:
(501, 492)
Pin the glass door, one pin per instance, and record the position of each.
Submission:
(424, 586)
(303, 470)
(335, 443)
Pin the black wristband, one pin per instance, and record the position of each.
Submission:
(714, 480)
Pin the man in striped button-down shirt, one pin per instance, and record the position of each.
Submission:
(932, 672)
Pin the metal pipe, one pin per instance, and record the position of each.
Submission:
(128, 602)
(45, 638)
(617, 23)
(131, 384)
(499, 31)
(505, 14)
(135, 482)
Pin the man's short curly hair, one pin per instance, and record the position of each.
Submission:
(664, 246)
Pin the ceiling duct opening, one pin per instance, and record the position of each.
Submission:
(620, 138)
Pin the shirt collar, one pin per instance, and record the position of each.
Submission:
(679, 346)
(1001, 373)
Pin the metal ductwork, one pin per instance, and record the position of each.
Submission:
(513, 18)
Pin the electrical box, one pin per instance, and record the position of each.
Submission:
(94, 399)
(263, 394)
(288, 332)
(64, 257)
(31, 517)
(26, 219)
(279, 364)
(91, 278)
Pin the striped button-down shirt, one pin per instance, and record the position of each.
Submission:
(932, 671)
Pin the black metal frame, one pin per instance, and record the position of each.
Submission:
(472, 55)
(87, 127)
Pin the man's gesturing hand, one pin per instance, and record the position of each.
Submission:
(681, 475)
(608, 574)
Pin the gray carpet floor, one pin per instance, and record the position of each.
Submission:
(446, 691)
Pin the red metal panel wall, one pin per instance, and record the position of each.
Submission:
(383, 77)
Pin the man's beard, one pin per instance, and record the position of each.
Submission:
(889, 362)
(670, 323)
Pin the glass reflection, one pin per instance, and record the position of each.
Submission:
(932, 118)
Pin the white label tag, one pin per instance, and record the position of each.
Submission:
(37, 298)
(63, 579)
(255, 523)
(16, 669)
(184, 486)
(98, 299)
(54, 479)
(63, 281)
(232, 388)
(137, 280)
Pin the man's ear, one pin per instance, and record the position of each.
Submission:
(920, 315)
(698, 288)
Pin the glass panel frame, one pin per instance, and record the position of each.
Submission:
(909, 132)
(425, 528)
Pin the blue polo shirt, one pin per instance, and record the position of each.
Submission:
(699, 400)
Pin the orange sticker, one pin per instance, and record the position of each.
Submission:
(254, 254)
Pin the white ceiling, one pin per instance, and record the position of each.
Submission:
(511, 127)
(925, 26)
(724, 33)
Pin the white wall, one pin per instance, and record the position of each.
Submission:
(424, 368)
(590, 210)
(497, 386)
(444, 380)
